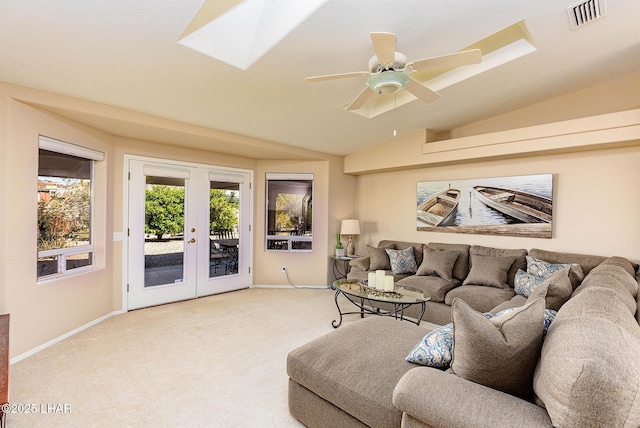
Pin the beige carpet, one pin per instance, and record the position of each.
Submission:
(218, 361)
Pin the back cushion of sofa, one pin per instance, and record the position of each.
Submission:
(586, 261)
(461, 266)
(519, 254)
(588, 374)
(399, 245)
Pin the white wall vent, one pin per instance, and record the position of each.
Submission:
(585, 12)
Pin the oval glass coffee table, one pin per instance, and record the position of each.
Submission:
(363, 297)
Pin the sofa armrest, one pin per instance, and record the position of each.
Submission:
(441, 399)
(361, 263)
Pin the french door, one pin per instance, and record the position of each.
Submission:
(189, 231)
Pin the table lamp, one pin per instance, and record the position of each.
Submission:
(350, 227)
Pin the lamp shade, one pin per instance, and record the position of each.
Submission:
(350, 227)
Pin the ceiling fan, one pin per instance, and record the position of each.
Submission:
(389, 71)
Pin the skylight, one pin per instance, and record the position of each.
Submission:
(239, 32)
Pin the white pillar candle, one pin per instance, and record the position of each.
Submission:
(388, 283)
(380, 279)
(372, 280)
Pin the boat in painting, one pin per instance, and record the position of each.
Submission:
(440, 209)
(526, 207)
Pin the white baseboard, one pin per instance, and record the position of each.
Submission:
(290, 286)
(64, 336)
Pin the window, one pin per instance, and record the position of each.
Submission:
(290, 212)
(65, 207)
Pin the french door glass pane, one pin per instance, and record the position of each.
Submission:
(224, 210)
(164, 231)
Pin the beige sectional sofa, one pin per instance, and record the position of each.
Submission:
(586, 372)
(480, 297)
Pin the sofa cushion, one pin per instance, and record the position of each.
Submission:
(438, 263)
(378, 258)
(461, 266)
(435, 398)
(500, 352)
(490, 271)
(434, 286)
(586, 261)
(615, 281)
(620, 262)
(361, 263)
(607, 274)
(402, 261)
(480, 298)
(515, 302)
(357, 366)
(555, 289)
(519, 254)
(589, 373)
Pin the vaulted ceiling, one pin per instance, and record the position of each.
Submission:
(126, 54)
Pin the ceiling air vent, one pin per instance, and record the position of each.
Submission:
(585, 12)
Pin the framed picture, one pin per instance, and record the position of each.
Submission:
(511, 206)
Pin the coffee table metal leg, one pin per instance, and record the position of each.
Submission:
(336, 323)
(423, 307)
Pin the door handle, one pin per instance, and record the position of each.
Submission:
(192, 240)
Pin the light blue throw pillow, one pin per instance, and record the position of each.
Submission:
(402, 261)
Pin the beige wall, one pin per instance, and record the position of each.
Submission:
(596, 192)
(334, 199)
(42, 312)
(596, 202)
(45, 312)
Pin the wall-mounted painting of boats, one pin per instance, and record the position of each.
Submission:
(511, 206)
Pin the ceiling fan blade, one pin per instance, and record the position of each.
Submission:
(385, 46)
(420, 91)
(473, 56)
(337, 76)
(360, 99)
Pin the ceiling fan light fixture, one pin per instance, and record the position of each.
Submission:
(399, 64)
(387, 82)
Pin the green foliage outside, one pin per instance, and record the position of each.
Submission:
(164, 210)
(65, 219)
(289, 210)
(224, 208)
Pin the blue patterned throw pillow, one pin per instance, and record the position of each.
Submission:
(434, 350)
(524, 282)
(549, 316)
(541, 268)
(402, 261)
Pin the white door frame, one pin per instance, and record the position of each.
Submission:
(247, 217)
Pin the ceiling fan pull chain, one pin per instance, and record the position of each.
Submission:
(395, 115)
